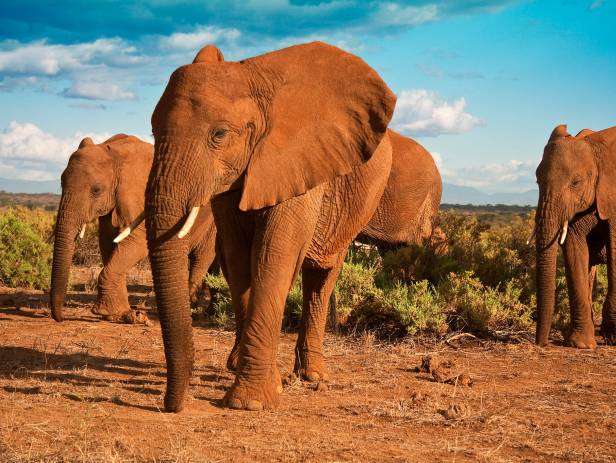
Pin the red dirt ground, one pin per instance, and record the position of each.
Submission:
(87, 390)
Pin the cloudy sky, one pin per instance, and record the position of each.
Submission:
(480, 83)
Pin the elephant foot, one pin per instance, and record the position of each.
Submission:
(255, 396)
(310, 367)
(608, 331)
(582, 339)
(132, 317)
(233, 360)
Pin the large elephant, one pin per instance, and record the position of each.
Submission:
(107, 182)
(290, 148)
(577, 209)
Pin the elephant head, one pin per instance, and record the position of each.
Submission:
(272, 127)
(108, 178)
(574, 175)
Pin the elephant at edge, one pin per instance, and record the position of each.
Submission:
(577, 210)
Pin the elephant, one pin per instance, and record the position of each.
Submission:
(408, 209)
(289, 148)
(577, 209)
(107, 181)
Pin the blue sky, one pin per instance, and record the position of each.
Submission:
(480, 84)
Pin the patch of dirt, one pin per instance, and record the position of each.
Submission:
(88, 390)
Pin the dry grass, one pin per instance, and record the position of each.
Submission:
(91, 391)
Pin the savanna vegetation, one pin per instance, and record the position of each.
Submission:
(480, 280)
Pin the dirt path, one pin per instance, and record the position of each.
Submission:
(86, 390)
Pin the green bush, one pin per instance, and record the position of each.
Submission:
(25, 249)
(473, 306)
(220, 312)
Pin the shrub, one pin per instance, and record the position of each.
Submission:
(25, 254)
(220, 311)
(478, 308)
(87, 251)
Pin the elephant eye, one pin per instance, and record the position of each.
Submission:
(96, 190)
(576, 182)
(218, 134)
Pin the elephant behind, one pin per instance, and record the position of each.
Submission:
(408, 209)
(107, 182)
(577, 210)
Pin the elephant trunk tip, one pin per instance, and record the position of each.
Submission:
(57, 315)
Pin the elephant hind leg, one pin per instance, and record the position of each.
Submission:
(317, 287)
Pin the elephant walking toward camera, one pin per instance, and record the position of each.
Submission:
(107, 182)
(290, 148)
(577, 209)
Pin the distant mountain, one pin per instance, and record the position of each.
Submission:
(29, 186)
(456, 194)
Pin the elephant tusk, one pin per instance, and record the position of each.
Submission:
(532, 235)
(82, 232)
(563, 234)
(134, 224)
(190, 221)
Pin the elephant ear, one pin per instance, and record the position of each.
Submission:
(325, 112)
(584, 133)
(209, 54)
(85, 142)
(559, 132)
(606, 166)
(132, 159)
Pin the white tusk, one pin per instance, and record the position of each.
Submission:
(83, 231)
(190, 221)
(134, 224)
(563, 234)
(532, 235)
(123, 234)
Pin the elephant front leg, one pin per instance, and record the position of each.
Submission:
(582, 330)
(237, 273)
(113, 302)
(280, 242)
(317, 287)
(608, 322)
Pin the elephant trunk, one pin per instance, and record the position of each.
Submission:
(547, 251)
(170, 195)
(64, 247)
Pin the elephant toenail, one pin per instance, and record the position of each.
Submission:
(254, 405)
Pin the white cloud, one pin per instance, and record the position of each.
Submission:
(512, 175)
(89, 66)
(201, 36)
(29, 153)
(43, 59)
(393, 14)
(97, 91)
(426, 113)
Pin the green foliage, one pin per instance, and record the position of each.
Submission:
(473, 306)
(25, 249)
(293, 306)
(220, 311)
